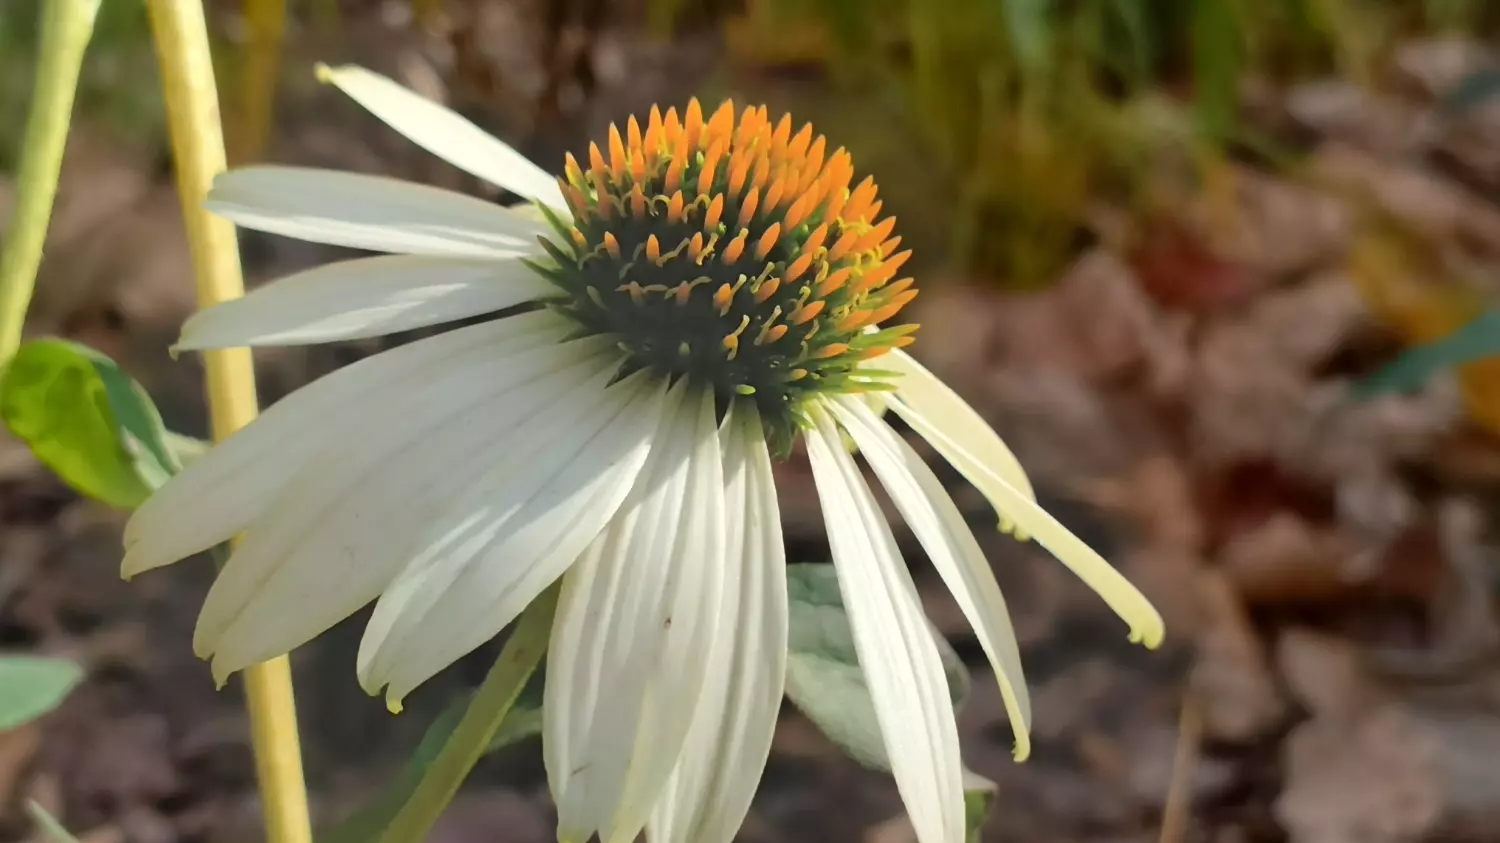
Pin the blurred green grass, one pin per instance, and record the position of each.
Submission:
(1034, 108)
(1024, 111)
(117, 91)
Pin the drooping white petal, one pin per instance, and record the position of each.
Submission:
(635, 624)
(710, 791)
(370, 212)
(897, 653)
(959, 433)
(346, 524)
(941, 529)
(510, 533)
(1145, 623)
(221, 492)
(445, 134)
(365, 297)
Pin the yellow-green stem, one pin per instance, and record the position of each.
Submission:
(187, 74)
(259, 72)
(427, 13)
(66, 28)
(494, 699)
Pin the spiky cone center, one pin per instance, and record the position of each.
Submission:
(733, 252)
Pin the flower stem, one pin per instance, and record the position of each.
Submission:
(259, 71)
(491, 703)
(187, 73)
(427, 12)
(66, 28)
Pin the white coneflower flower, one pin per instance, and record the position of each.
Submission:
(705, 292)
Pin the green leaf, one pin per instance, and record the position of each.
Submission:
(367, 823)
(824, 680)
(979, 800)
(1475, 341)
(89, 422)
(1472, 91)
(822, 672)
(31, 686)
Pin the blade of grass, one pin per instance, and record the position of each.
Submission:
(1218, 58)
(66, 28)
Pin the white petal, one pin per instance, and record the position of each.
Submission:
(346, 525)
(1145, 623)
(635, 625)
(365, 297)
(445, 134)
(944, 534)
(959, 433)
(221, 492)
(511, 533)
(730, 739)
(370, 212)
(897, 653)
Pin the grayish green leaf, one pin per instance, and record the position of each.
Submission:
(31, 686)
(824, 680)
(1472, 91)
(1475, 341)
(823, 677)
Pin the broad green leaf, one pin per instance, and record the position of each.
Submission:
(1475, 341)
(48, 824)
(367, 823)
(89, 422)
(31, 686)
(822, 671)
(824, 680)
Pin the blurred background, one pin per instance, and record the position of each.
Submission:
(1158, 242)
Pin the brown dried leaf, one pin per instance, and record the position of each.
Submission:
(1420, 199)
(1231, 676)
(1367, 781)
(1325, 673)
(1095, 323)
(1401, 773)
(1344, 111)
(1285, 560)
(1435, 66)
(17, 748)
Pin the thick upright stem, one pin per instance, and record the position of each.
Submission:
(187, 73)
